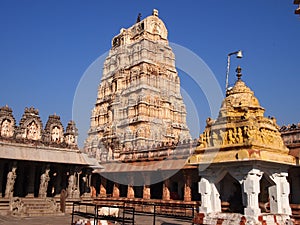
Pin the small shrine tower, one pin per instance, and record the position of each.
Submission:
(243, 164)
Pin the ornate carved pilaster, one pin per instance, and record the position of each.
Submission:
(11, 178)
(44, 184)
(71, 185)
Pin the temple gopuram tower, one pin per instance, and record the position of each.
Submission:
(243, 164)
(138, 101)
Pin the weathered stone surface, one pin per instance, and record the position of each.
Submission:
(139, 101)
(30, 130)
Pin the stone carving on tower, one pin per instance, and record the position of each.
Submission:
(7, 122)
(30, 126)
(241, 123)
(54, 131)
(71, 134)
(138, 101)
(30, 129)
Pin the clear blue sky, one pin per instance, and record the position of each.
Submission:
(46, 46)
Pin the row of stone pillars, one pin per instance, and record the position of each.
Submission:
(250, 182)
(73, 184)
(166, 195)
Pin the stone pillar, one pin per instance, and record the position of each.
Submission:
(103, 187)
(187, 187)
(166, 190)
(146, 192)
(10, 183)
(210, 201)
(130, 191)
(116, 190)
(279, 194)
(44, 184)
(72, 190)
(251, 187)
(146, 188)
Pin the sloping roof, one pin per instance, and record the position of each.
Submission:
(17, 151)
(144, 166)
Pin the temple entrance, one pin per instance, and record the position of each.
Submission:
(231, 192)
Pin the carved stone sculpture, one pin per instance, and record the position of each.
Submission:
(11, 178)
(44, 184)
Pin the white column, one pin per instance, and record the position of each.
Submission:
(251, 187)
(210, 197)
(279, 194)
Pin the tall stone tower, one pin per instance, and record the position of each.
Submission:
(139, 101)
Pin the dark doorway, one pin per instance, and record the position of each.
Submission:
(156, 190)
(138, 191)
(123, 190)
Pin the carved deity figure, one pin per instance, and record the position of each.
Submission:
(202, 141)
(240, 135)
(215, 139)
(6, 128)
(72, 187)
(55, 134)
(44, 184)
(32, 131)
(230, 137)
(70, 139)
(11, 178)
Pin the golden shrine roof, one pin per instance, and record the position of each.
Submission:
(241, 131)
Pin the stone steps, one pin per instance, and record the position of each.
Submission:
(35, 207)
(4, 206)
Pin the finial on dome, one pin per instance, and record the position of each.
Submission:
(239, 74)
(155, 12)
(138, 19)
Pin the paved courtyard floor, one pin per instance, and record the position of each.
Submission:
(66, 220)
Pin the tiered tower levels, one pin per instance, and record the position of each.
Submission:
(139, 101)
